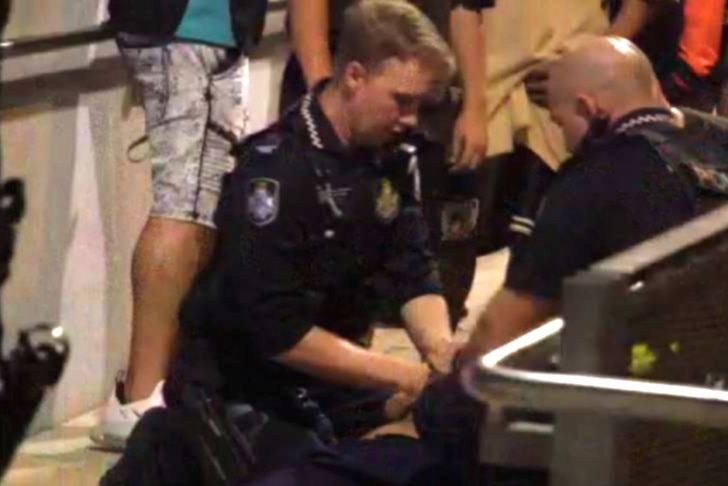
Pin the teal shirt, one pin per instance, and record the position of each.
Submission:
(207, 21)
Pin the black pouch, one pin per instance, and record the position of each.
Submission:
(155, 18)
(248, 18)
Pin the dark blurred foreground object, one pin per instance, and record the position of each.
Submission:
(40, 355)
(4, 13)
(34, 365)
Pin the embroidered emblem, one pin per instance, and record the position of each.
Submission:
(263, 201)
(266, 149)
(387, 202)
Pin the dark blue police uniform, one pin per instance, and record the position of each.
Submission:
(310, 233)
(616, 192)
(451, 200)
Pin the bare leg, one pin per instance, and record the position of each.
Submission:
(166, 259)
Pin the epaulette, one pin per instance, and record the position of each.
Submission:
(264, 142)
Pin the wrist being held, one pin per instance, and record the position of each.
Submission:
(415, 379)
(440, 358)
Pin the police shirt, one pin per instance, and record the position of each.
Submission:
(613, 194)
(310, 233)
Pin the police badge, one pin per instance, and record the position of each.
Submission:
(387, 202)
(262, 201)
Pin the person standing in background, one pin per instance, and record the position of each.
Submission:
(189, 58)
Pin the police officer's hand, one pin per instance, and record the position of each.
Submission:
(470, 139)
(440, 360)
(411, 385)
(399, 405)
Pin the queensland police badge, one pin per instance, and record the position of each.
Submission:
(263, 201)
(387, 201)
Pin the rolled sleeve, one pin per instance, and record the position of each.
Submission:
(561, 244)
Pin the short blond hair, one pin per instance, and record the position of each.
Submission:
(377, 30)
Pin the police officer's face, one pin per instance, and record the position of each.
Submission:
(384, 103)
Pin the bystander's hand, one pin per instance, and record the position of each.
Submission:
(470, 139)
(537, 84)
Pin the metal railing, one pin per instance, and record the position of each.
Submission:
(34, 45)
(490, 380)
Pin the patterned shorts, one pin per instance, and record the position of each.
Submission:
(195, 100)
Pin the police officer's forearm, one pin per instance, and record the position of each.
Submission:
(508, 315)
(327, 356)
(310, 38)
(468, 42)
(428, 325)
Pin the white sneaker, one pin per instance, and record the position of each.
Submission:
(118, 420)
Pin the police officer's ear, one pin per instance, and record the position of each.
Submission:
(594, 116)
(354, 76)
(588, 108)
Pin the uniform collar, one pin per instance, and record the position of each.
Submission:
(622, 125)
(320, 132)
(642, 117)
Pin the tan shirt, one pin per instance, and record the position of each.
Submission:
(520, 34)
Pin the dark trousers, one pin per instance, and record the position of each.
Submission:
(164, 450)
(161, 452)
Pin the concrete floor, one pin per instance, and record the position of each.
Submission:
(65, 456)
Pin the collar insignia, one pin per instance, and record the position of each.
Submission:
(387, 203)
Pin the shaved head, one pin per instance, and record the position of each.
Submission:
(600, 78)
(611, 68)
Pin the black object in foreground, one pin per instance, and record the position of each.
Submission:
(35, 364)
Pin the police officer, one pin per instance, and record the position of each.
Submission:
(320, 224)
(615, 191)
(315, 27)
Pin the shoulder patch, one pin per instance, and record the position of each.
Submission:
(265, 149)
(263, 195)
(264, 142)
(267, 142)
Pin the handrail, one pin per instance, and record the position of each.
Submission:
(488, 380)
(38, 44)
